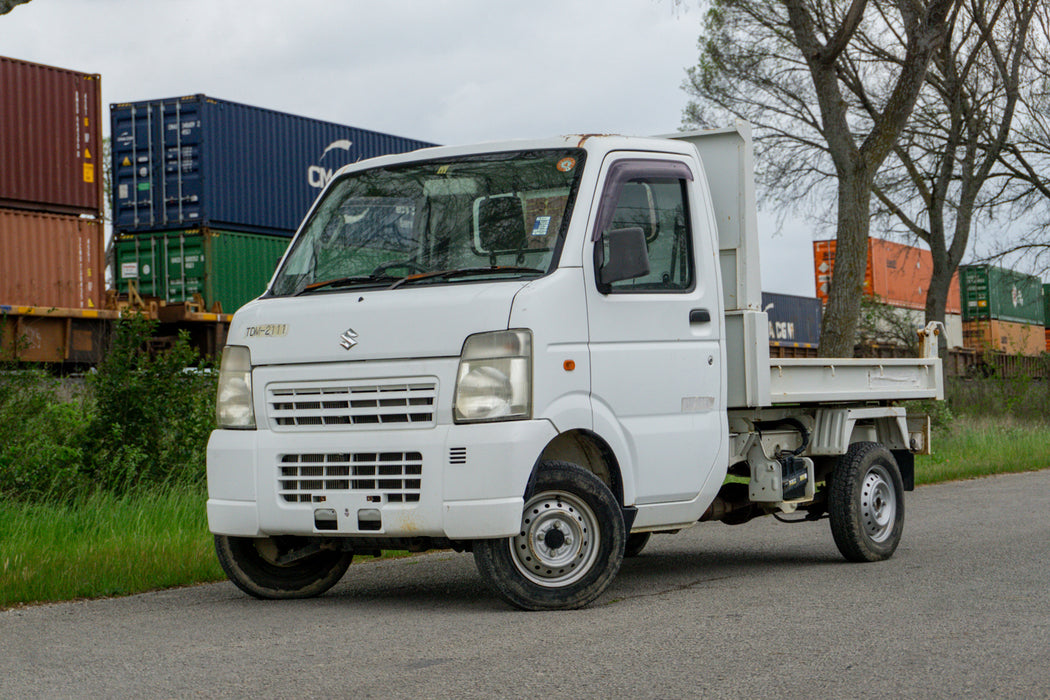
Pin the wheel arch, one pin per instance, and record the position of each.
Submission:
(589, 451)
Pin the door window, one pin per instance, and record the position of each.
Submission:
(656, 202)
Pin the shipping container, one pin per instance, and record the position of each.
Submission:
(896, 274)
(50, 139)
(794, 321)
(1046, 305)
(226, 267)
(51, 260)
(1004, 336)
(994, 293)
(201, 161)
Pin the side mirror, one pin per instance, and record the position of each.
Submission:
(627, 258)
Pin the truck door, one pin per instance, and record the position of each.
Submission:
(654, 339)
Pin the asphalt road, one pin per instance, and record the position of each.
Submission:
(759, 610)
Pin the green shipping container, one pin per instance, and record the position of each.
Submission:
(992, 293)
(1046, 307)
(228, 267)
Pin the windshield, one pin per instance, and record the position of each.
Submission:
(494, 216)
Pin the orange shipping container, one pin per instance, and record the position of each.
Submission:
(50, 260)
(898, 274)
(1004, 336)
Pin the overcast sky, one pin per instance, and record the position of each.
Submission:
(447, 71)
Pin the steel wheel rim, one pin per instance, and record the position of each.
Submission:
(878, 504)
(558, 541)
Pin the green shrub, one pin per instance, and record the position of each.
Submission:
(1023, 398)
(154, 412)
(42, 435)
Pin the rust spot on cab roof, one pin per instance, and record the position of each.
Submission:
(584, 137)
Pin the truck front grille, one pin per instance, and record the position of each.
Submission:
(350, 405)
(396, 476)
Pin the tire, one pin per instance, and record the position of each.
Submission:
(636, 543)
(250, 563)
(570, 546)
(866, 503)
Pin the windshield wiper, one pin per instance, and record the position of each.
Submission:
(467, 272)
(353, 280)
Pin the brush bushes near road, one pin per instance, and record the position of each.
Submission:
(153, 413)
(42, 437)
(142, 421)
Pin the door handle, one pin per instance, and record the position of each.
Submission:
(699, 316)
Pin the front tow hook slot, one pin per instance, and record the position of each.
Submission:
(325, 519)
(369, 519)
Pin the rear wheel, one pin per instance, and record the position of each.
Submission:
(280, 567)
(866, 503)
(569, 548)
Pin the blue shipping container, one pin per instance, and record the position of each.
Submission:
(793, 321)
(200, 161)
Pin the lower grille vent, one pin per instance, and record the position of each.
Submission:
(395, 475)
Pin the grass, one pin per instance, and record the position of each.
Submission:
(104, 546)
(972, 447)
(107, 546)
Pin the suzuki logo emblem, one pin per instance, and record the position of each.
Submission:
(348, 339)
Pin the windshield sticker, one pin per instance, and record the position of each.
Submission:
(566, 165)
(539, 228)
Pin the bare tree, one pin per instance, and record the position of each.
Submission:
(796, 54)
(1026, 159)
(937, 179)
(8, 5)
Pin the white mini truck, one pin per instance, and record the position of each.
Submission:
(540, 352)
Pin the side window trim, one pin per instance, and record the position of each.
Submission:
(624, 170)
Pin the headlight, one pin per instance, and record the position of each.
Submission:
(494, 381)
(233, 407)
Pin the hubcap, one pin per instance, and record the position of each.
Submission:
(878, 504)
(558, 541)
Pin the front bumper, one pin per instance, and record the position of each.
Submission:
(452, 481)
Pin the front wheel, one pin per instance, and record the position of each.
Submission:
(280, 567)
(636, 542)
(866, 503)
(569, 548)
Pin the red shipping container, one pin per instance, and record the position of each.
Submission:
(50, 139)
(897, 274)
(50, 260)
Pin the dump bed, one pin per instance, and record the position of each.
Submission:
(754, 379)
(827, 380)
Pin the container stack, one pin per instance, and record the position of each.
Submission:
(207, 192)
(794, 324)
(51, 237)
(1003, 310)
(897, 277)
